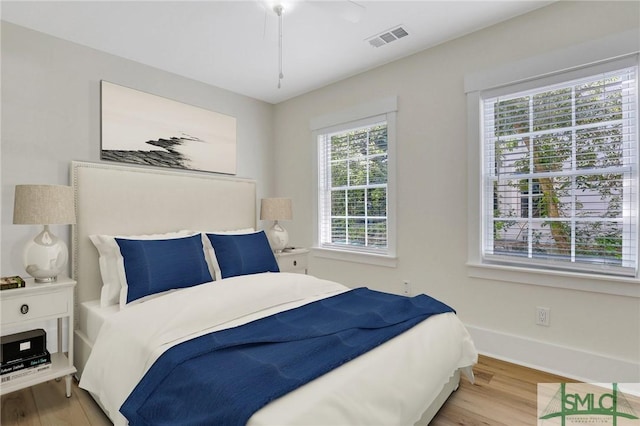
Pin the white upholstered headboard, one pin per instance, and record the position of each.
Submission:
(122, 200)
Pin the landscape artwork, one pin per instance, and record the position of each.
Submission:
(146, 129)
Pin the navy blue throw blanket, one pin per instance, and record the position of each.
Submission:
(226, 376)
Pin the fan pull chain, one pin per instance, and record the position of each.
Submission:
(279, 9)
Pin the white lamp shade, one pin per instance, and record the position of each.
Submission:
(276, 209)
(43, 205)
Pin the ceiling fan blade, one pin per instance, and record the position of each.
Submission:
(344, 9)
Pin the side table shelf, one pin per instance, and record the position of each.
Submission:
(39, 302)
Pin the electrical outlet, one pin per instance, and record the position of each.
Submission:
(543, 316)
(406, 288)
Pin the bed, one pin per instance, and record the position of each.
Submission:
(121, 337)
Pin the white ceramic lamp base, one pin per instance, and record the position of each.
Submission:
(278, 237)
(45, 257)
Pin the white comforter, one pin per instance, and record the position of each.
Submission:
(392, 384)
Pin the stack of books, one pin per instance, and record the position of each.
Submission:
(23, 354)
(13, 370)
(7, 283)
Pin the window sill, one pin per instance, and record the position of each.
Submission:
(350, 256)
(619, 286)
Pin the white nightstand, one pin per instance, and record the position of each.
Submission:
(294, 260)
(36, 303)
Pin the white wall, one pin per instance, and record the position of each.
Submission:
(51, 116)
(592, 336)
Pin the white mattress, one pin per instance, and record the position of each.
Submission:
(93, 316)
(392, 384)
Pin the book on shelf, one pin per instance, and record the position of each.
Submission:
(5, 378)
(7, 283)
(24, 363)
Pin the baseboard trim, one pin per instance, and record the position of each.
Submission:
(561, 360)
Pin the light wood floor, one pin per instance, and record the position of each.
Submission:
(504, 394)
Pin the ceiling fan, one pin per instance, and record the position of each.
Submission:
(344, 9)
(347, 10)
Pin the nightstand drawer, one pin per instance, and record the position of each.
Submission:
(35, 306)
(295, 261)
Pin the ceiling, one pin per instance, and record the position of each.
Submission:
(234, 44)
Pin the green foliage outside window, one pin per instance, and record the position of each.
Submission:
(358, 180)
(569, 143)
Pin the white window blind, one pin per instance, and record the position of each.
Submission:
(353, 186)
(560, 174)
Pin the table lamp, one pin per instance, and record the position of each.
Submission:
(46, 255)
(276, 209)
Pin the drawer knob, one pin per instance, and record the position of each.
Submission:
(24, 309)
(295, 263)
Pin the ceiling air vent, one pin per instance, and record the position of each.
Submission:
(387, 37)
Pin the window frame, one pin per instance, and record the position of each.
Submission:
(621, 49)
(563, 80)
(358, 116)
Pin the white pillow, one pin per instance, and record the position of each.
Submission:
(109, 255)
(216, 273)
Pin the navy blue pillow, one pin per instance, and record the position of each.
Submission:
(243, 254)
(153, 266)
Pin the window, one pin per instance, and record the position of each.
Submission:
(560, 173)
(533, 198)
(355, 211)
(354, 182)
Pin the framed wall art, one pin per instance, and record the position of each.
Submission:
(142, 128)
